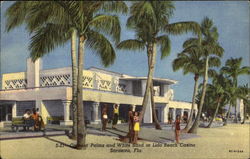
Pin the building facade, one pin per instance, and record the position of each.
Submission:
(51, 92)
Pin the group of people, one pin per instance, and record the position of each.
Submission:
(34, 116)
(105, 118)
(134, 125)
(134, 122)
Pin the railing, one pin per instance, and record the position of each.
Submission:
(65, 80)
(55, 80)
(15, 84)
(94, 82)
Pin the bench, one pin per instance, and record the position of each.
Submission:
(21, 122)
(54, 119)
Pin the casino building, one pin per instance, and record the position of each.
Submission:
(51, 92)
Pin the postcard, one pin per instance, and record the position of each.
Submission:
(124, 79)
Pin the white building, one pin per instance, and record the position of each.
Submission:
(51, 92)
(239, 109)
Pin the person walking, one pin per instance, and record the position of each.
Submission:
(136, 127)
(115, 116)
(104, 117)
(177, 128)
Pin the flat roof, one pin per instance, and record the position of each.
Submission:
(162, 80)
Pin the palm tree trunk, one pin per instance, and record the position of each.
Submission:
(235, 120)
(190, 119)
(74, 83)
(151, 51)
(194, 127)
(215, 113)
(236, 85)
(156, 121)
(81, 131)
(228, 114)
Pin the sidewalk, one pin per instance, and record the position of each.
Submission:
(147, 132)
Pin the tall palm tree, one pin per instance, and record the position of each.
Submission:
(19, 12)
(233, 69)
(208, 45)
(49, 32)
(191, 61)
(149, 20)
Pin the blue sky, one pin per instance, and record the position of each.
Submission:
(230, 17)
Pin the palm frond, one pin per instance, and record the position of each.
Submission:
(143, 13)
(190, 42)
(16, 14)
(102, 47)
(183, 27)
(214, 62)
(108, 24)
(165, 45)
(244, 70)
(52, 12)
(46, 38)
(131, 44)
(115, 7)
(212, 73)
(178, 63)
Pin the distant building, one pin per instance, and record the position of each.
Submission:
(51, 92)
(239, 109)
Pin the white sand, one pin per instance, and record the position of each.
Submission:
(213, 143)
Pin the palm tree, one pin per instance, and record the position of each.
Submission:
(208, 45)
(191, 61)
(19, 12)
(244, 92)
(217, 90)
(52, 31)
(233, 69)
(149, 20)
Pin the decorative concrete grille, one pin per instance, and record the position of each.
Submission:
(15, 84)
(58, 80)
(121, 88)
(104, 85)
(87, 82)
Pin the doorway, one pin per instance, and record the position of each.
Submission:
(5, 113)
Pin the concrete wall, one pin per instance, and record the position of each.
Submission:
(88, 110)
(54, 107)
(181, 105)
(23, 105)
(12, 76)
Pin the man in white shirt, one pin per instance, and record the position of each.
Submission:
(27, 114)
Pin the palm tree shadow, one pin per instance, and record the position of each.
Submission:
(119, 135)
(117, 130)
(167, 139)
(122, 138)
(61, 143)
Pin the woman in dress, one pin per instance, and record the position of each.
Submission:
(136, 127)
(177, 128)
